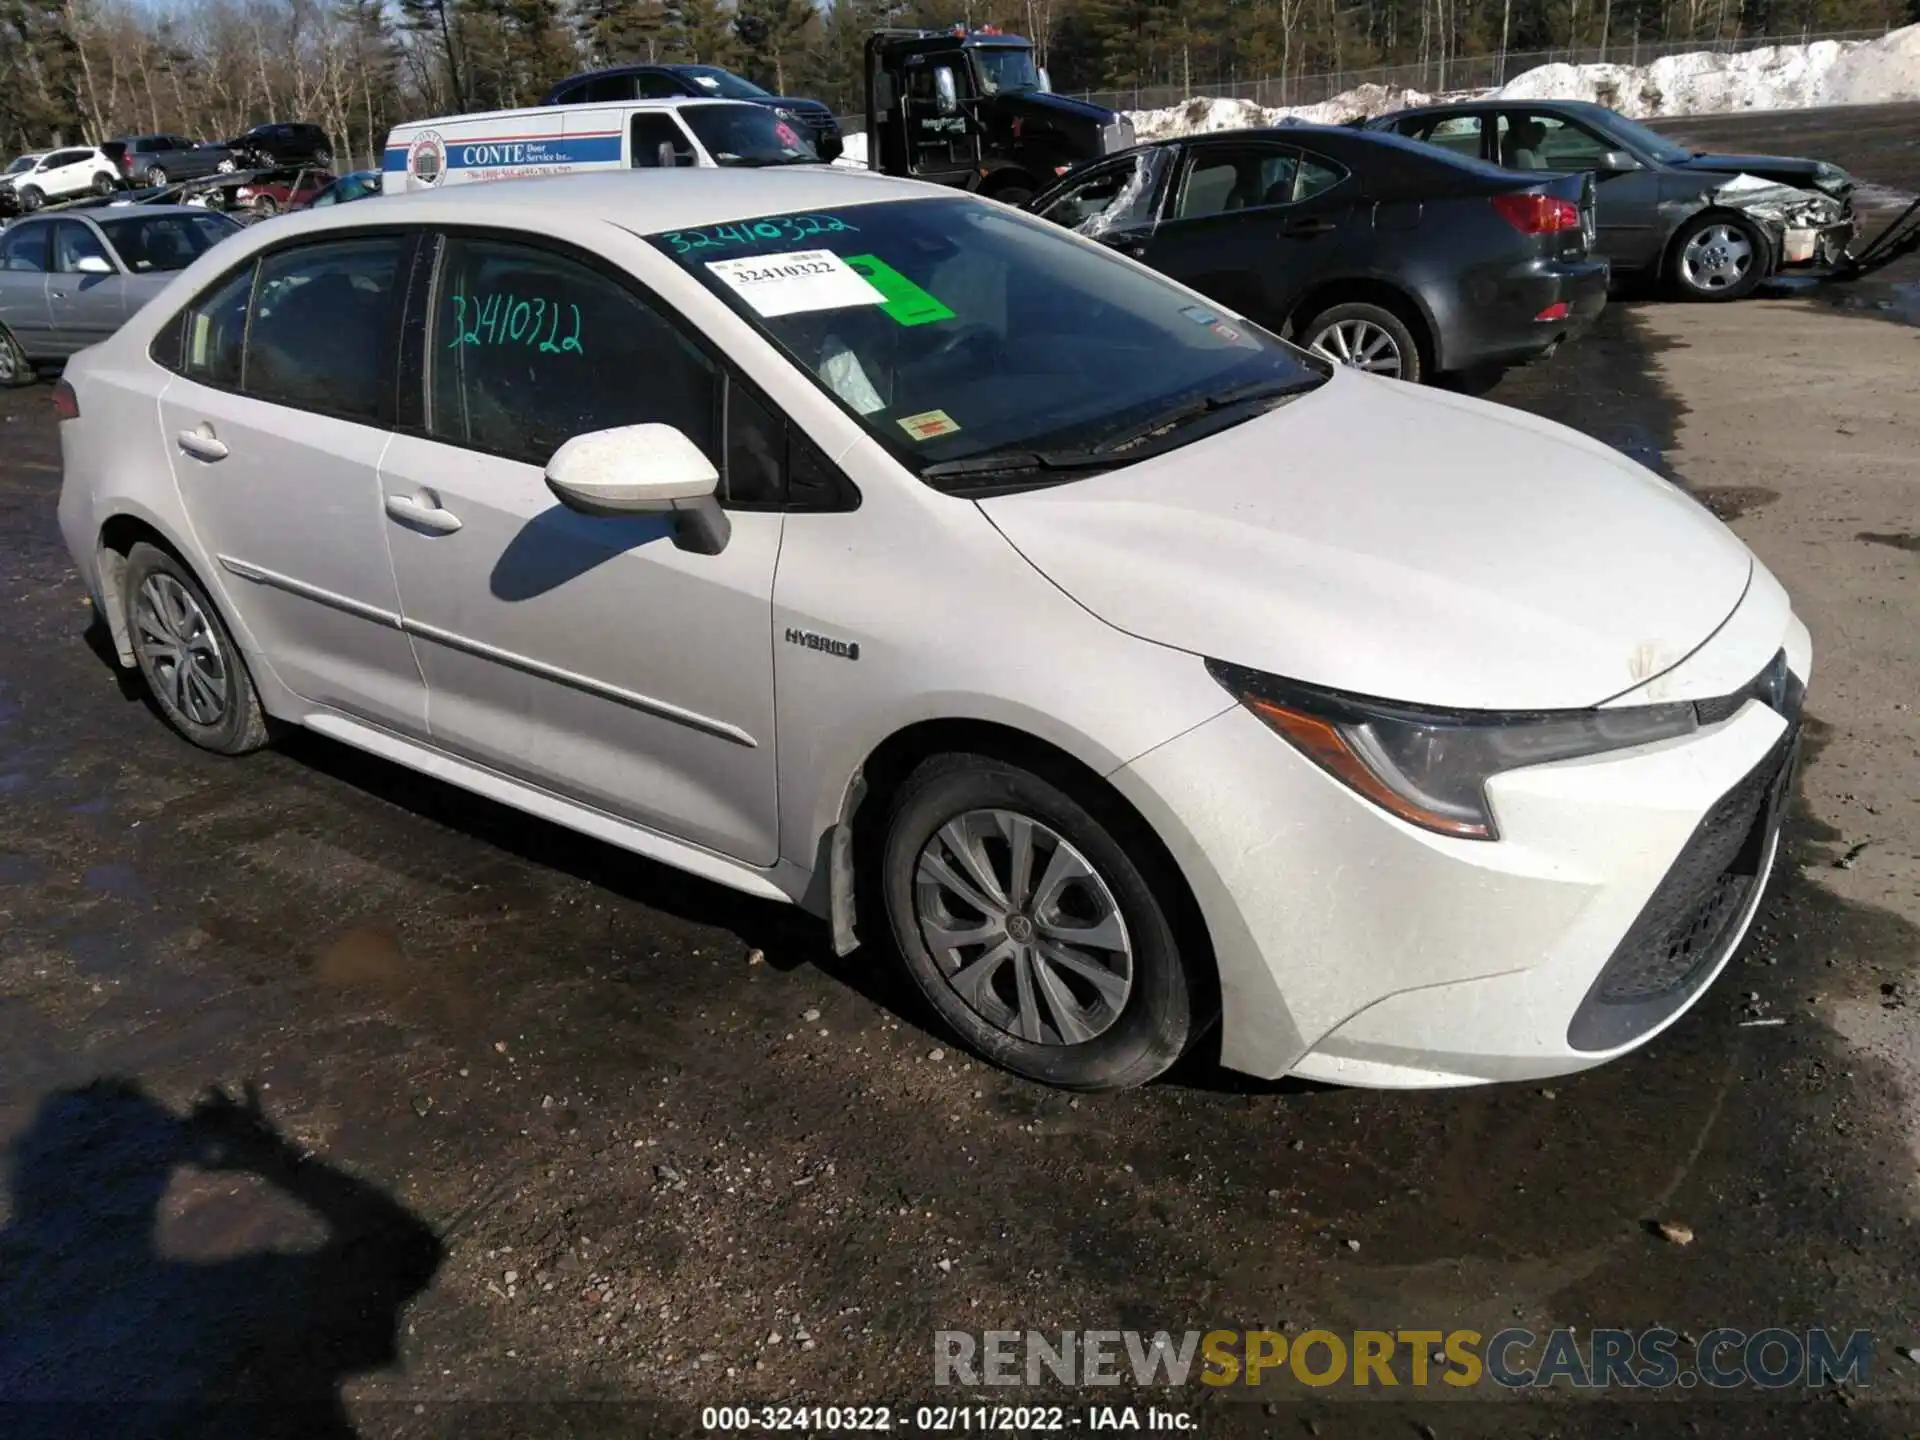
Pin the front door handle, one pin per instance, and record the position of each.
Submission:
(423, 513)
(200, 443)
(1301, 229)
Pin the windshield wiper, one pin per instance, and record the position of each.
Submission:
(1187, 411)
(1111, 454)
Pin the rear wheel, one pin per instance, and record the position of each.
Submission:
(156, 176)
(264, 205)
(323, 158)
(15, 368)
(1364, 337)
(103, 184)
(187, 657)
(1034, 929)
(1718, 257)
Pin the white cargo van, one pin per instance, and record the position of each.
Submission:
(563, 139)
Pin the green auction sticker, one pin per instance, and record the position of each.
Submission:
(906, 302)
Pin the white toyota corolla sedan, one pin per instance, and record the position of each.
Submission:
(873, 547)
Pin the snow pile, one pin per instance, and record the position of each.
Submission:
(1775, 77)
(1877, 73)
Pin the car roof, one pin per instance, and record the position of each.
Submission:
(670, 102)
(655, 200)
(114, 212)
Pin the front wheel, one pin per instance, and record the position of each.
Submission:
(1365, 337)
(1718, 257)
(187, 656)
(32, 197)
(265, 205)
(156, 176)
(227, 166)
(1034, 928)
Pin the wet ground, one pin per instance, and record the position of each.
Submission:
(535, 1121)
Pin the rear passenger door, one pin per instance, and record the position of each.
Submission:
(1253, 223)
(588, 656)
(276, 421)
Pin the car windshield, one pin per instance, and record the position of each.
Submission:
(748, 135)
(153, 243)
(1638, 135)
(23, 164)
(723, 83)
(973, 341)
(1005, 67)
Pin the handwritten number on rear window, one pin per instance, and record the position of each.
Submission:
(508, 320)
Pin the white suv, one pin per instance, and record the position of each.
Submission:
(59, 175)
(874, 547)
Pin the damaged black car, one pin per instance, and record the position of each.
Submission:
(1713, 227)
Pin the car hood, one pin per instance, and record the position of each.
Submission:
(1400, 543)
(1785, 169)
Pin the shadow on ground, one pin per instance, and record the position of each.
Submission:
(101, 1332)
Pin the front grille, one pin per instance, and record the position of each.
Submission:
(1686, 927)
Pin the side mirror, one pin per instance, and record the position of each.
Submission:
(947, 95)
(1617, 162)
(93, 265)
(643, 470)
(1046, 81)
(664, 155)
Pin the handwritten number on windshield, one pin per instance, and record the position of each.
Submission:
(755, 233)
(508, 320)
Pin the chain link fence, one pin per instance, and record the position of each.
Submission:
(1465, 72)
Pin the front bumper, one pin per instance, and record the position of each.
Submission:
(1357, 949)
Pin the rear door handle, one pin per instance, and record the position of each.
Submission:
(1299, 229)
(422, 514)
(201, 444)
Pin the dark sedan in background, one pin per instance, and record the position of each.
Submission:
(1661, 208)
(1376, 252)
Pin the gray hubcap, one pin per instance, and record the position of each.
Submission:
(9, 360)
(183, 657)
(1026, 932)
(1360, 344)
(1716, 258)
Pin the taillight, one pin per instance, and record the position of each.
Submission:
(66, 404)
(126, 162)
(1534, 214)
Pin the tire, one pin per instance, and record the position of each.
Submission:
(1147, 1005)
(32, 197)
(1345, 334)
(165, 605)
(323, 158)
(265, 205)
(103, 184)
(15, 367)
(1718, 256)
(1015, 195)
(226, 167)
(156, 176)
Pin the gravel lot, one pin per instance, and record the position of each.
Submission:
(588, 1130)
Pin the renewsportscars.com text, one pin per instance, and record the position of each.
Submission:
(1656, 1358)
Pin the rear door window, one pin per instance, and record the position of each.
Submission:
(655, 86)
(322, 318)
(1459, 133)
(1222, 179)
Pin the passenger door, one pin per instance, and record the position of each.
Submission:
(282, 405)
(1626, 203)
(1252, 225)
(26, 255)
(84, 306)
(65, 173)
(588, 656)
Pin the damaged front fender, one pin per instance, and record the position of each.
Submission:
(1804, 225)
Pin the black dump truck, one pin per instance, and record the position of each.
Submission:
(970, 108)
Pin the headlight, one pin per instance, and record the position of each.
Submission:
(790, 116)
(1431, 767)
